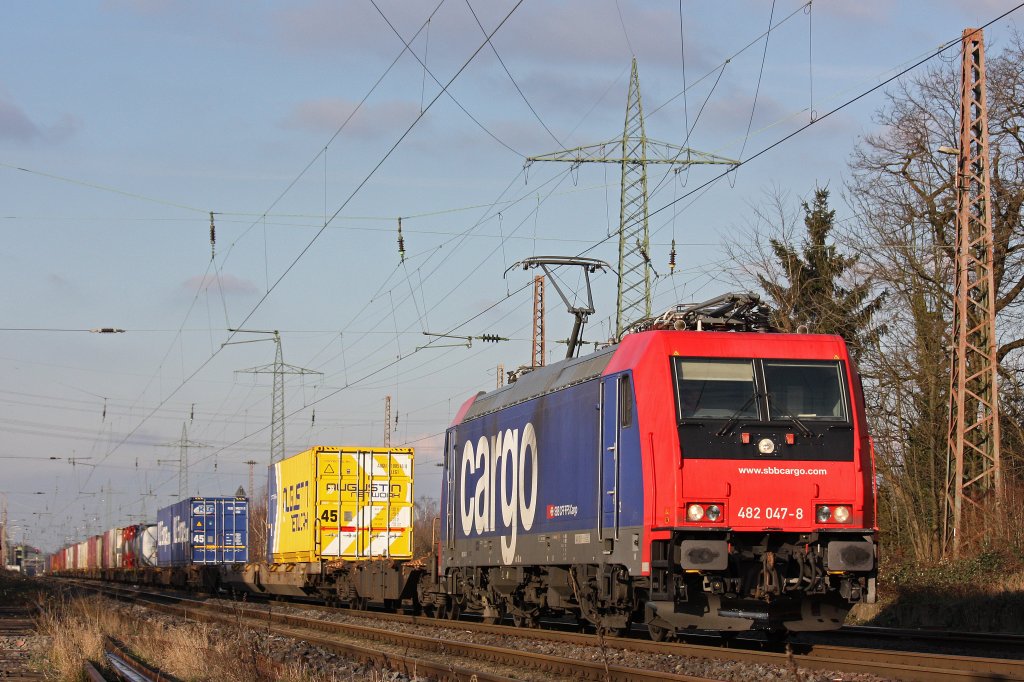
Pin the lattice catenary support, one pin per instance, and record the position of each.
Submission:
(974, 474)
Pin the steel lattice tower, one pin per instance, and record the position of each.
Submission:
(636, 152)
(387, 421)
(183, 444)
(538, 322)
(973, 461)
(279, 369)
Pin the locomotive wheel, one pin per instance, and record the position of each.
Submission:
(453, 611)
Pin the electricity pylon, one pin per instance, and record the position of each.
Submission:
(973, 467)
(184, 444)
(279, 369)
(635, 153)
(387, 421)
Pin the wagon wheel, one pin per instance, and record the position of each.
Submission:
(657, 632)
(521, 619)
(611, 630)
(499, 615)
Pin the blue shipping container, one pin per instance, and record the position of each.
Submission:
(203, 530)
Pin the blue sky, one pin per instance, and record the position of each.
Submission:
(124, 124)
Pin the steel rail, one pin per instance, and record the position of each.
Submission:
(903, 665)
(91, 673)
(446, 655)
(16, 627)
(128, 667)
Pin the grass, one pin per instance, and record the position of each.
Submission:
(983, 592)
(192, 652)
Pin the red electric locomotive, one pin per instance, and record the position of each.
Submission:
(697, 475)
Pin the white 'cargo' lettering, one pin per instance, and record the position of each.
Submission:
(499, 466)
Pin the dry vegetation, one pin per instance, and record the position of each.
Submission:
(192, 652)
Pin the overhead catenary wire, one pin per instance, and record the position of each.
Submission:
(678, 199)
(444, 88)
(817, 119)
(757, 91)
(512, 78)
(345, 203)
(362, 361)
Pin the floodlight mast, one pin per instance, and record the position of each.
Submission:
(581, 313)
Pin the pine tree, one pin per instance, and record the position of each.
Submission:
(819, 292)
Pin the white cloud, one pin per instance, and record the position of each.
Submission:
(227, 283)
(325, 115)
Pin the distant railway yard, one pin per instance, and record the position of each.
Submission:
(70, 629)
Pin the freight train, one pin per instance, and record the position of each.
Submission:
(187, 547)
(704, 473)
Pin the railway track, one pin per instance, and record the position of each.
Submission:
(17, 628)
(450, 650)
(124, 666)
(1008, 645)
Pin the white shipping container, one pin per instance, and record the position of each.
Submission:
(113, 549)
(82, 555)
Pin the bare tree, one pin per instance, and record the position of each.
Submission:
(425, 511)
(904, 195)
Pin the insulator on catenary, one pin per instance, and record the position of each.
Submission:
(401, 241)
(672, 257)
(213, 238)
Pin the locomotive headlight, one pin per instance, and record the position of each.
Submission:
(824, 514)
(713, 512)
(841, 514)
(695, 512)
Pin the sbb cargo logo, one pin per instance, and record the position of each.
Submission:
(556, 511)
(494, 475)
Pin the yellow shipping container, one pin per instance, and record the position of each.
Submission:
(343, 502)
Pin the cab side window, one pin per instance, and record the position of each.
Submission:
(625, 401)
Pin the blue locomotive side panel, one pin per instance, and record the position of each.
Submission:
(530, 476)
(203, 530)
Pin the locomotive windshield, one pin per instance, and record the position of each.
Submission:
(763, 390)
(806, 390)
(725, 405)
(716, 389)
